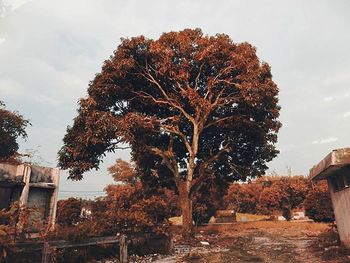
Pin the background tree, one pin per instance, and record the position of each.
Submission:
(243, 198)
(318, 203)
(208, 200)
(282, 193)
(268, 195)
(192, 105)
(123, 171)
(12, 126)
(68, 211)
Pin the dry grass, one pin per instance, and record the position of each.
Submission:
(285, 227)
(250, 217)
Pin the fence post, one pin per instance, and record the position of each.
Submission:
(123, 249)
(45, 257)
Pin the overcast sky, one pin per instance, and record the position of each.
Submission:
(50, 50)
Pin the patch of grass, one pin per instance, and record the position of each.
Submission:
(250, 217)
(288, 228)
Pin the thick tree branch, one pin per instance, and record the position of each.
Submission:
(213, 123)
(180, 134)
(169, 100)
(169, 160)
(204, 165)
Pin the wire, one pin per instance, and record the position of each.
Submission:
(66, 191)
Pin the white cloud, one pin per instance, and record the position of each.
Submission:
(346, 114)
(328, 99)
(14, 4)
(328, 140)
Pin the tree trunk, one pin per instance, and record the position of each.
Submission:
(186, 210)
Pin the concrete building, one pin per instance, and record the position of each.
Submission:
(335, 168)
(31, 186)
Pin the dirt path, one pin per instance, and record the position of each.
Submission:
(260, 243)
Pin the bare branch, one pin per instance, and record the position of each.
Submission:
(170, 101)
(212, 123)
(197, 78)
(180, 134)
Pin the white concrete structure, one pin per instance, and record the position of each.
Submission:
(335, 168)
(33, 187)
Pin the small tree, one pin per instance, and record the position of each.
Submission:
(282, 193)
(129, 209)
(318, 203)
(193, 106)
(123, 171)
(12, 126)
(243, 198)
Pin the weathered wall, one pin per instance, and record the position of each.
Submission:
(341, 207)
(5, 197)
(10, 172)
(33, 186)
(39, 201)
(41, 174)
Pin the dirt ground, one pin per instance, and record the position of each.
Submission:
(275, 242)
(255, 242)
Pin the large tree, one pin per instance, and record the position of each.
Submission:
(190, 106)
(12, 126)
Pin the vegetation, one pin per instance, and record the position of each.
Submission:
(281, 194)
(8, 220)
(191, 107)
(318, 203)
(127, 208)
(12, 127)
(68, 212)
(124, 172)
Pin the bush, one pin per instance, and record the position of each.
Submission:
(68, 212)
(318, 203)
(129, 209)
(268, 195)
(243, 198)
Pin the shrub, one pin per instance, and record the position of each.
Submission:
(68, 212)
(318, 204)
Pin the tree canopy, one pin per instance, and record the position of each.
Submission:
(12, 126)
(190, 106)
(123, 171)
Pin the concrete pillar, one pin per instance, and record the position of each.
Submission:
(53, 202)
(23, 200)
(26, 179)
